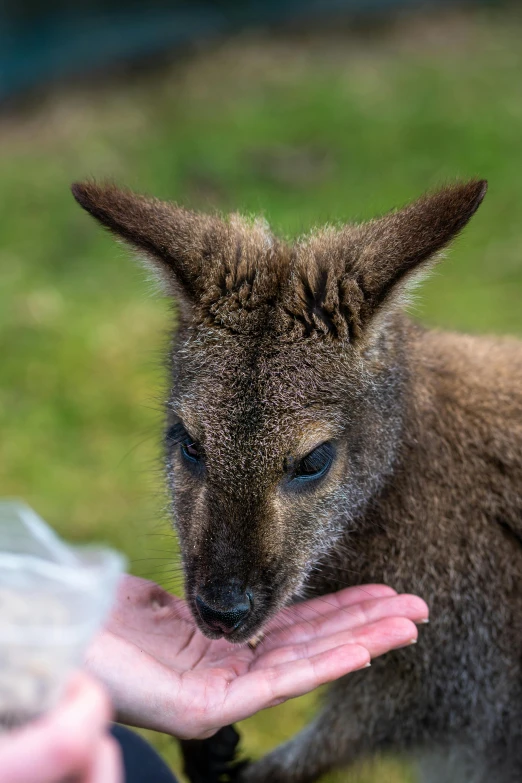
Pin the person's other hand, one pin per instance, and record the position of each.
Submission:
(68, 743)
(163, 674)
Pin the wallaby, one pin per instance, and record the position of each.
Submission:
(317, 437)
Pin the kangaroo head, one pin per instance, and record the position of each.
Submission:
(287, 376)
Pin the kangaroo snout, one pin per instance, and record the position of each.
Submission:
(224, 606)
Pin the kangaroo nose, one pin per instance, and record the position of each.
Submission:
(225, 619)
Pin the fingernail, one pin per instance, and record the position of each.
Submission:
(406, 644)
(424, 622)
(366, 665)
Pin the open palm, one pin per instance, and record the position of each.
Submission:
(164, 674)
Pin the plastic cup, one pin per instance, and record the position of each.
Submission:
(53, 599)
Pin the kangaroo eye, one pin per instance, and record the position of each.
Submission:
(190, 451)
(314, 465)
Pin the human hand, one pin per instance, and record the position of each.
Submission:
(68, 743)
(163, 674)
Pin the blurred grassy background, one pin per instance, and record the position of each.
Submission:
(304, 129)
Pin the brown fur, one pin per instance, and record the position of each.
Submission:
(280, 348)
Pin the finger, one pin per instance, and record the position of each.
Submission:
(343, 599)
(107, 766)
(378, 638)
(61, 743)
(261, 689)
(334, 621)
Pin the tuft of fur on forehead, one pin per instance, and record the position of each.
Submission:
(246, 280)
(321, 299)
(236, 275)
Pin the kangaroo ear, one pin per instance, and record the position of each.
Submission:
(177, 243)
(401, 246)
(345, 282)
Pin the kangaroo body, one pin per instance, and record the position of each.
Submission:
(318, 438)
(448, 525)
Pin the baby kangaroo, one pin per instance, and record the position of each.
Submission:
(316, 438)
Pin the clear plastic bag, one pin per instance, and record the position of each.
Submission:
(53, 599)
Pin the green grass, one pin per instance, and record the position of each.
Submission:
(304, 130)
